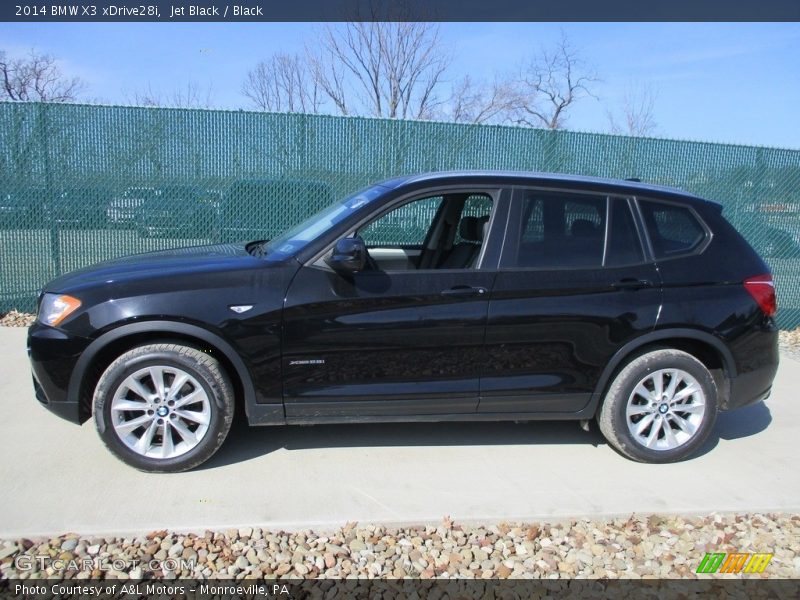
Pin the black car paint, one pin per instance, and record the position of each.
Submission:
(396, 345)
(392, 343)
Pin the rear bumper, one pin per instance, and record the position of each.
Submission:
(749, 388)
(54, 354)
(757, 365)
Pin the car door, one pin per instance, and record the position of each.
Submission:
(574, 285)
(405, 338)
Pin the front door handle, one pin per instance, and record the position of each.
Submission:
(632, 284)
(464, 290)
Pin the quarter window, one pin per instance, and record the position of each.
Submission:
(673, 229)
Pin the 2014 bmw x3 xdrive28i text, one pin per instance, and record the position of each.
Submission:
(448, 296)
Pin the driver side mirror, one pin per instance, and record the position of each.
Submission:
(349, 255)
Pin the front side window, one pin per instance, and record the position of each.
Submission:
(441, 231)
(673, 229)
(477, 208)
(404, 226)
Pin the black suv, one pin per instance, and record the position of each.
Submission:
(440, 297)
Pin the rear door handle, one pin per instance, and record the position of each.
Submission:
(464, 290)
(632, 284)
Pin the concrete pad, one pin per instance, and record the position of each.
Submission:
(58, 477)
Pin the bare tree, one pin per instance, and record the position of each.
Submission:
(637, 113)
(283, 84)
(37, 78)
(481, 103)
(144, 97)
(380, 69)
(193, 95)
(550, 85)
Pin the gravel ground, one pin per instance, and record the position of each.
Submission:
(790, 343)
(637, 547)
(14, 318)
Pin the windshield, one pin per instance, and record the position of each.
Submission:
(299, 236)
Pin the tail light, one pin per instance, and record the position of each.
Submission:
(762, 289)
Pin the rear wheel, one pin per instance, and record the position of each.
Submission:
(661, 407)
(164, 407)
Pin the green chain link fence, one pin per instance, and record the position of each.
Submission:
(80, 184)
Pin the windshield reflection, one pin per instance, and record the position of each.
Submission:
(299, 236)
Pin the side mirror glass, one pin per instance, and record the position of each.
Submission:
(349, 255)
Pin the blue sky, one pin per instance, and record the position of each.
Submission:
(737, 83)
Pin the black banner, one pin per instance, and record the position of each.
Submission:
(294, 589)
(399, 10)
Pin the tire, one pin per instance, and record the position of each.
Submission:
(133, 413)
(648, 432)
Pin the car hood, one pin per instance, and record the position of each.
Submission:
(160, 264)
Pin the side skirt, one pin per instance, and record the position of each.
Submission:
(258, 417)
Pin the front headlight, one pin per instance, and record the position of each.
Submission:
(57, 307)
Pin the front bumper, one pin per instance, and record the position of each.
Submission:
(54, 354)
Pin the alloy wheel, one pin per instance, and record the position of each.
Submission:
(665, 409)
(160, 412)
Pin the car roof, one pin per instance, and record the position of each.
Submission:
(622, 186)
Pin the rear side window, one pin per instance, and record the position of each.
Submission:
(565, 230)
(674, 230)
(561, 231)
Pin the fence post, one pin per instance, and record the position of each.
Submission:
(48, 206)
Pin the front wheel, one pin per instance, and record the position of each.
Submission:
(660, 408)
(164, 407)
